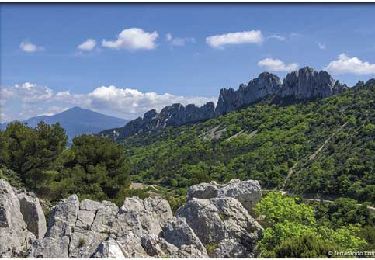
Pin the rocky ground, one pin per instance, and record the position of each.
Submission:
(214, 222)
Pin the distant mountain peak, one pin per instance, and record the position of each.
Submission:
(77, 120)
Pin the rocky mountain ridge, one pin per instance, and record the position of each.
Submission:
(214, 222)
(304, 84)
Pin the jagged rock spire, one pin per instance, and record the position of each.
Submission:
(304, 84)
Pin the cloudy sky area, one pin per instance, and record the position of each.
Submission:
(123, 60)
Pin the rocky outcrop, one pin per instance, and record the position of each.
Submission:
(33, 215)
(219, 215)
(220, 220)
(174, 115)
(304, 84)
(214, 222)
(248, 193)
(139, 228)
(203, 191)
(265, 85)
(18, 231)
(309, 84)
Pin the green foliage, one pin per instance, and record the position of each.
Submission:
(95, 168)
(32, 152)
(176, 201)
(11, 177)
(81, 242)
(278, 208)
(343, 212)
(368, 233)
(328, 143)
(290, 232)
(38, 159)
(305, 246)
(211, 248)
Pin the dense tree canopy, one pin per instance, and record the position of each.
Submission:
(39, 159)
(293, 231)
(94, 167)
(325, 147)
(31, 152)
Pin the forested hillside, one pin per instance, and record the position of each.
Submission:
(324, 147)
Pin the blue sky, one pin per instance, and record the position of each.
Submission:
(167, 49)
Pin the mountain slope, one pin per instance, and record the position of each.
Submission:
(304, 84)
(78, 121)
(329, 144)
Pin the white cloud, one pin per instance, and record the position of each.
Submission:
(29, 47)
(277, 65)
(29, 92)
(26, 100)
(133, 39)
(321, 46)
(277, 37)
(351, 65)
(177, 41)
(134, 102)
(87, 45)
(218, 41)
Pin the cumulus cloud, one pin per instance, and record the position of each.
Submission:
(29, 47)
(133, 39)
(32, 100)
(87, 45)
(28, 92)
(134, 102)
(178, 41)
(218, 41)
(350, 65)
(277, 65)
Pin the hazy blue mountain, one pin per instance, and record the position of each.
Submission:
(77, 121)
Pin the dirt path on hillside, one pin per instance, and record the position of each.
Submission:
(312, 156)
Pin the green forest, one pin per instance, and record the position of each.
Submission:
(322, 149)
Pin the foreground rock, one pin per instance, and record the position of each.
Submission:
(33, 215)
(223, 225)
(16, 231)
(92, 229)
(214, 222)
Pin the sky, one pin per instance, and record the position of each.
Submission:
(124, 59)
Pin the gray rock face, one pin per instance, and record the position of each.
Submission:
(139, 228)
(109, 249)
(218, 219)
(203, 191)
(308, 84)
(92, 229)
(61, 225)
(304, 84)
(265, 85)
(33, 214)
(248, 193)
(15, 238)
(174, 115)
(179, 233)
